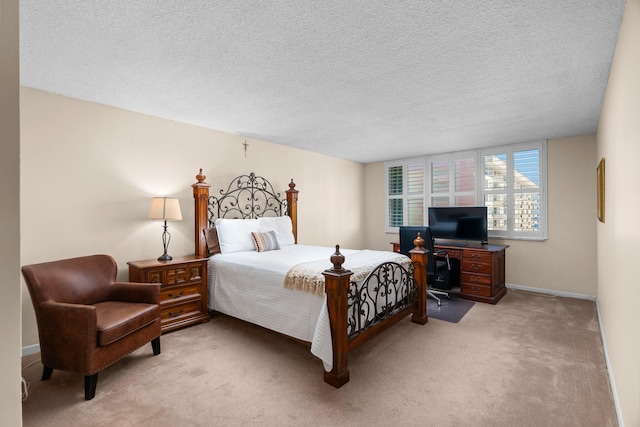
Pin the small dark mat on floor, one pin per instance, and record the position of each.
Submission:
(450, 310)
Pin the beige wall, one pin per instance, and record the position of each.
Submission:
(619, 235)
(89, 172)
(566, 262)
(10, 404)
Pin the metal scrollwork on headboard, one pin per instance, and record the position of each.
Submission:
(247, 197)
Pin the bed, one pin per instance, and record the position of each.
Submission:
(332, 298)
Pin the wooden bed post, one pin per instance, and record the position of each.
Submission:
(292, 203)
(420, 256)
(201, 200)
(337, 289)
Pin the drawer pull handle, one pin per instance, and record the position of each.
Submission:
(172, 314)
(172, 295)
(475, 267)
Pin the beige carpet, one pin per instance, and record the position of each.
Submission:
(530, 360)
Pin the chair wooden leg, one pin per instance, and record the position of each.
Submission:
(90, 383)
(155, 344)
(46, 373)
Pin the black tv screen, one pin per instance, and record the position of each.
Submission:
(459, 223)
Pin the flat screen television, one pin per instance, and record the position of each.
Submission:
(459, 223)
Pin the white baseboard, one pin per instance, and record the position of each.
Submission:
(31, 349)
(612, 380)
(550, 292)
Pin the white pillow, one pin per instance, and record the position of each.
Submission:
(281, 225)
(234, 235)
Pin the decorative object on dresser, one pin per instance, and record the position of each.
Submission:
(165, 209)
(293, 289)
(183, 288)
(86, 319)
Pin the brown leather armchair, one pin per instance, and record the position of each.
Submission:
(88, 321)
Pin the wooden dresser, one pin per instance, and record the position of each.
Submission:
(183, 294)
(480, 270)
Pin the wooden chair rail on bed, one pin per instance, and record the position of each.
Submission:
(346, 334)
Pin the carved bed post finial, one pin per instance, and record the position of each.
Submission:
(419, 242)
(337, 259)
(201, 177)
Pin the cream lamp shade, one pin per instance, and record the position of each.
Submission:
(165, 208)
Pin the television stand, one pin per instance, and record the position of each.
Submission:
(477, 270)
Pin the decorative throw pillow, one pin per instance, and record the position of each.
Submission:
(265, 241)
(211, 238)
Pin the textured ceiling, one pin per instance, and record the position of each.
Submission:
(361, 80)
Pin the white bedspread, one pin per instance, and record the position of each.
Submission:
(250, 286)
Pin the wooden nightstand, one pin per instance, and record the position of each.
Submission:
(183, 294)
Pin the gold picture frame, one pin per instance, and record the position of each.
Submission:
(600, 189)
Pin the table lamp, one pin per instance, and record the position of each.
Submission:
(168, 210)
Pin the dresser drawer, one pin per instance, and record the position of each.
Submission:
(177, 274)
(475, 289)
(175, 292)
(476, 279)
(453, 253)
(475, 267)
(479, 256)
(154, 276)
(178, 311)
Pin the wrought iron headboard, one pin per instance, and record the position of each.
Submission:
(247, 197)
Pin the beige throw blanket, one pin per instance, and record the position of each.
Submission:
(308, 277)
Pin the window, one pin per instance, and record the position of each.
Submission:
(514, 190)
(453, 179)
(509, 180)
(405, 183)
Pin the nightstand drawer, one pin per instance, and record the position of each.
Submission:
(173, 311)
(176, 275)
(177, 316)
(154, 276)
(172, 293)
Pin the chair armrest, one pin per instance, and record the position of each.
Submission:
(148, 293)
(446, 256)
(63, 325)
